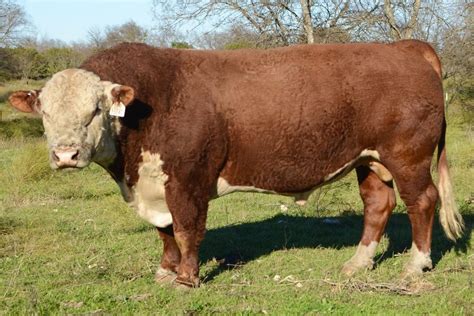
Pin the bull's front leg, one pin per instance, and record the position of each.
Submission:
(189, 211)
(171, 257)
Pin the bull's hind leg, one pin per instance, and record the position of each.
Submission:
(171, 256)
(417, 190)
(379, 200)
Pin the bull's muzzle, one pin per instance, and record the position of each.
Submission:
(65, 157)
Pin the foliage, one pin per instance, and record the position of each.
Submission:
(181, 45)
(21, 127)
(60, 58)
(6, 65)
(29, 63)
(239, 45)
(113, 35)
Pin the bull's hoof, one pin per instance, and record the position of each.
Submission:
(352, 267)
(414, 270)
(417, 263)
(300, 202)
(163, 276)
(189, 282)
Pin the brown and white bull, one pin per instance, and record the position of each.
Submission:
(201, 124)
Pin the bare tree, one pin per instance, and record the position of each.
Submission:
(402, 24)
(307, 20)
(12, 21)
(456, 49)
(127, 32)
(277, 22)
(233, 37)
(113, 35)
(96, 38)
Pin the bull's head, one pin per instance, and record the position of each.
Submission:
(75, 107)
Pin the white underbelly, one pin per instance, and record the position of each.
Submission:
(148, 195)
(224, 188)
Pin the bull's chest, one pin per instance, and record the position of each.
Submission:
(148, 194)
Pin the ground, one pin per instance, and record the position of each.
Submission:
(70, 245)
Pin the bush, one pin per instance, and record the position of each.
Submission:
(31, 163)
(21, 127)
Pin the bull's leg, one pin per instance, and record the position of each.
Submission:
(421, 214)
(171, 256)
(420, 195)
(302, 198)
(189, 224)
(379, 200)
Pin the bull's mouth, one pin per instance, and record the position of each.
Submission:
(69, 167)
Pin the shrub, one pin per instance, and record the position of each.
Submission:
(21, 127)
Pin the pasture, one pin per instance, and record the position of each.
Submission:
(70, 245)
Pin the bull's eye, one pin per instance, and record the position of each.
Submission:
(96, 112)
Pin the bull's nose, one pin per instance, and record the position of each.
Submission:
(65, 157)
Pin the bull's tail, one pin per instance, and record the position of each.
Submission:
(449, 216)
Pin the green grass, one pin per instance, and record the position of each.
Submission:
(70, 245)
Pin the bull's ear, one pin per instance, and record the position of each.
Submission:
(123, 94)
(25, 101)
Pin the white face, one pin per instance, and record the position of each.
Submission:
(74, 105)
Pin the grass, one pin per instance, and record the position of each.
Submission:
(70, 245)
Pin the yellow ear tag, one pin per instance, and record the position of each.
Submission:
(117, 109)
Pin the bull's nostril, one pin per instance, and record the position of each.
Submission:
(65, 157)
(55, 157)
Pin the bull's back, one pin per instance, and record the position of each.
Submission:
(304, 112)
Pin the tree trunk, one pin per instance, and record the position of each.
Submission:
(399, 32)
(408, 30)
(307, 21)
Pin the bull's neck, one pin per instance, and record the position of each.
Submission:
(114, 165)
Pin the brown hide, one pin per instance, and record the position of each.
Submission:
(279, 119)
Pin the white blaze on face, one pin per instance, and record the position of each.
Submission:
(149, 192)
(74, 105)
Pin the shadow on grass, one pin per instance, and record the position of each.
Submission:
(238, 244)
